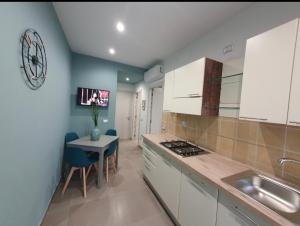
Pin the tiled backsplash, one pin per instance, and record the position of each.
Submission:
(259, 145)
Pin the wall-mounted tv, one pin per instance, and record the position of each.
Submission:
(85, 97)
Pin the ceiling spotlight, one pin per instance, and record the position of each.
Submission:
(120, 27)
(112, 51)
(127, 79)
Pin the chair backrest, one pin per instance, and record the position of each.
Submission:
(75, 156)
(111, 132)
(113, 145)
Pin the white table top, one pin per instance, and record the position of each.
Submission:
(86, 141)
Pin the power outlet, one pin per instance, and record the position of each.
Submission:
(184, 124)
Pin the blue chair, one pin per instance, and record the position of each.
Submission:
(76, 158)
(111, 152)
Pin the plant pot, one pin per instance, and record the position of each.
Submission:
(95, 134)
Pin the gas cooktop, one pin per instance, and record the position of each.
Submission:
(183, 148)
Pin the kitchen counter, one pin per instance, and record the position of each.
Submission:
(214, 167)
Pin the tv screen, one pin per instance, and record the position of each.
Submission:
(85, 97)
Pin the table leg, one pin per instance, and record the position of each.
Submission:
(117, 154)
(100, 171)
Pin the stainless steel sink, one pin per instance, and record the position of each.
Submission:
(279, 197)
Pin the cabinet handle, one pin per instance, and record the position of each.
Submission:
(261, 119)
(194, 95)
(295, 122)
(244, 215)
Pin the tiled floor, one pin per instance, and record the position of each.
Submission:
(125, 201)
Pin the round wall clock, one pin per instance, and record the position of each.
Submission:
(34, 62)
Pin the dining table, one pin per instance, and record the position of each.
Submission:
(100, 146)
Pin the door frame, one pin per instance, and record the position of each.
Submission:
(137, 105)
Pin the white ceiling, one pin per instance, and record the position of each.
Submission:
(154, 30)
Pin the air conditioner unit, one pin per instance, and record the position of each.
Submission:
(153, 74)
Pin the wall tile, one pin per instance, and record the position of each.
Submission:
(228, 127)
(245, 153)
(211, 141)
(267, 159)
(259, 145)
(271, 135)
(290, 168)
(293, 139)
(247, 131)
(225, 146)
(212, 125)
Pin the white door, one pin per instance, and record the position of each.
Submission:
(124, 114)
(267, 74)
(294, 107)
(156, 110)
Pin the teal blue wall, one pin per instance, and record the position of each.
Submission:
(91, 72)
(32, 123)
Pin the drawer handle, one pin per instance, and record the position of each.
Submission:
(148, 158)
(294, 122)
(244, 215)
(261, 119)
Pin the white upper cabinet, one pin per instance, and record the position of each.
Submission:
(168, 91)
(294, 107)
(267, 74)
(189, 78)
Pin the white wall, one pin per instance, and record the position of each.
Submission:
(251, 21)
(142, 86)
(126, 87)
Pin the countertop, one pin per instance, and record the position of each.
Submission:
(214, 168)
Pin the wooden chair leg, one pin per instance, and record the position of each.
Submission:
(114, 163)
(68, 180)
(88, 171)
(80, 173)
(84, 182)
(107, 169)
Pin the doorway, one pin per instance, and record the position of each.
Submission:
(156, 109)
(123, 116)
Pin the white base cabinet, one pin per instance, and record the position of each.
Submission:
(164, 176)
(197, 203)
(231, 213)
(192, 200)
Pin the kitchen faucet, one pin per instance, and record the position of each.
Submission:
(281, 161)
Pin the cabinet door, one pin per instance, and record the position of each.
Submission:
(294, 107)
(198, 203)
(168, 91)
(267, 74)
(169, 184)
(188, 105)
(188, 80)
(231, 213)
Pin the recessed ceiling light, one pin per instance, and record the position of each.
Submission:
(112, 51)
(120, 27)
(127, 79)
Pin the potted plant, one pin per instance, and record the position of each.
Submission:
(95, 133)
